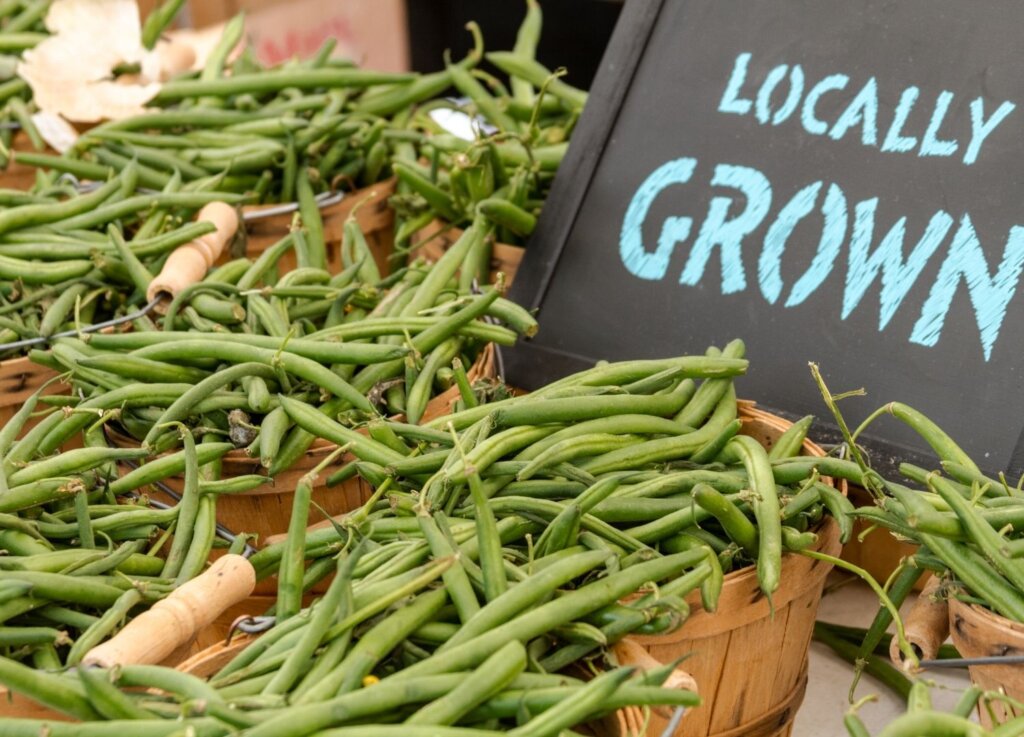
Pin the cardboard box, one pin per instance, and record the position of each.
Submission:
(370, 32)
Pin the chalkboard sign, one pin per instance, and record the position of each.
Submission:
(832, 181)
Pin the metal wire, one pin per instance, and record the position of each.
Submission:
(965, 662)
(221, 531)
(324, 199)
(673, 725)
(250, 625)
(28, 342)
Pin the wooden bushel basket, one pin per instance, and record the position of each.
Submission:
(20, 176)
(19, 379)
(432, 241)
(751, 666)
(626, 722)
(375, 218)
(978, 632)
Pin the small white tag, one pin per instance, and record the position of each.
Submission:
(56, 131)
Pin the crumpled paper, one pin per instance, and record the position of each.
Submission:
(70, 72)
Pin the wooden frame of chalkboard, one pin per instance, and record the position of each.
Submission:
(541, 360)
(532, 364)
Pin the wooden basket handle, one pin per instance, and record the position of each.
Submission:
(630, 652)
(926, 627)
(189, 263)
(172, 622)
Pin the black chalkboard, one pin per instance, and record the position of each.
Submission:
(839, 181)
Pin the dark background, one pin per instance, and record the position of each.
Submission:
(574, 34)
(595, 309)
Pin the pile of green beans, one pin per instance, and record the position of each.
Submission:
(521, 134)
(968, 525)
(431, 620)
(922, 720)
(280, 134)
(285, 134)
(634, 456)
(69, 259)
(232, 349)
(21, 28)
(83, 548)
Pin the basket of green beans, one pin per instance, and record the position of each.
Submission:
(435, 623)
(503, 170)
(636, 457)
(967, 527)
(87, 549)
(70, 260)
(351, 346)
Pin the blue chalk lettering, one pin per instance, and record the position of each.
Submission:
(764, 95)
(893, 140)
(980, 128)
(930, 144)
(731, 103)
(729, 234)
(675, 229)
(796, 91)
(769, 265)
(833, 234)
(807, 116)
(898, 277)
(989, 296)
(863, 111)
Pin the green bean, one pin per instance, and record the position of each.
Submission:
(143, 369)
(57, 313)
(455, 578)
(318, 424)
(313, 633)
(941, 443)
(114, 210)
(257, 360)
(50, 690)
(739, 529)
(188, 508)
(766, 510)
(570, 607)
(274, 80)
(152, 345)
(435, 196)
(80, 590)
(384, 636)
(21, 636)
(575, 708)
(165, 466)
(839, 507)
(108, 700)
(490, 678)
(976, 574)
(792, 440)
(16, 218)
(72, 461)
(202, 541)
(40, 272)
(103, 627)
(986, 539)
(219, 310)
